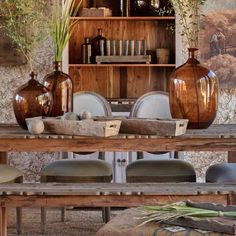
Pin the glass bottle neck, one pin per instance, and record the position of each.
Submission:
(57, 66)
(100, 32)
(192, 56)
(33, 78)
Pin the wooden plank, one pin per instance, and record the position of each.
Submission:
(123, 82)
(123, 59)
(3, 223)
(216, 138)
(3, 158)
(119, 144)
(231, 157)
(121, 65)
(115, 188)
(134, 18)
(102, 201)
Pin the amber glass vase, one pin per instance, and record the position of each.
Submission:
(61, 87)
(30, 100)
(194, 93)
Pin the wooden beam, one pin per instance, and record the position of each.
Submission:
(104, 201)
(123, 82)
(3, 157)
(3, 223)
(119, 144)
(232, 157)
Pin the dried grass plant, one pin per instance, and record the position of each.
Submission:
(62, 25)
(171, 212)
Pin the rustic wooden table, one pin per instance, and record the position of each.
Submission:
(13, 138)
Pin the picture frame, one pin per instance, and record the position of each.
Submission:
(217, 40)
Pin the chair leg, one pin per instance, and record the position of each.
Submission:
(106, 214)
(63, 211)
(43, 220)
(18, 219)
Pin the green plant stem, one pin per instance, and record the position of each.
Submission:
(185, 24)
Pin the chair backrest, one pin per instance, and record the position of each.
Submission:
(95, 104)
(92, 102)
(152, 105)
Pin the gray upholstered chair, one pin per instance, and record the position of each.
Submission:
(221, 173)
(156, 105)
(9, 174)
(77, 170)
(160, 171)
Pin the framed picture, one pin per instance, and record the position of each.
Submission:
(217, 40)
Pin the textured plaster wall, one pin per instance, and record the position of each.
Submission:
(10, 79)
(226, 115)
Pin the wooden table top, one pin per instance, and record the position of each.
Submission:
(163, 189)
(215, 138)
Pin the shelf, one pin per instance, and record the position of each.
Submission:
(122, 65)
(136, 18)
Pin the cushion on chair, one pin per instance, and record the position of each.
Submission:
(160, 171)
(78, 168)
(221, 173)
(9, 173)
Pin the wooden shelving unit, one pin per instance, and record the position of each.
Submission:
(122, 80)
(149, 18)
(121, 65)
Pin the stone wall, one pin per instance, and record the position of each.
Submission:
(11, 78)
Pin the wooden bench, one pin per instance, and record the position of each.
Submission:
(102, 195)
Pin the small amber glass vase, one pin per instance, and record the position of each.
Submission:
(194, 93)
(61, 86)
(30, 100)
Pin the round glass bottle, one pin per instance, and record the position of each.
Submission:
(60, 85)
(194, 93)
(31, 100)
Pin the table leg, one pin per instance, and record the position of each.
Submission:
(231, 157)
(3, 157)
(3, 210)
(3, 223)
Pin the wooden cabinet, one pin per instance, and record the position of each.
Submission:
(122, 80)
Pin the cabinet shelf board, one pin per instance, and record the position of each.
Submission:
(128, 18)
(122, 65)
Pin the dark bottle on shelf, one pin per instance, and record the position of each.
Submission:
(96, 51)
(144, 7)
(86, 50)
(125, 7)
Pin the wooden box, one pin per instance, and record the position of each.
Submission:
(96, 12)
(87, 127)
(172, 127)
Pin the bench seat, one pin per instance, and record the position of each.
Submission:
(108, 194)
